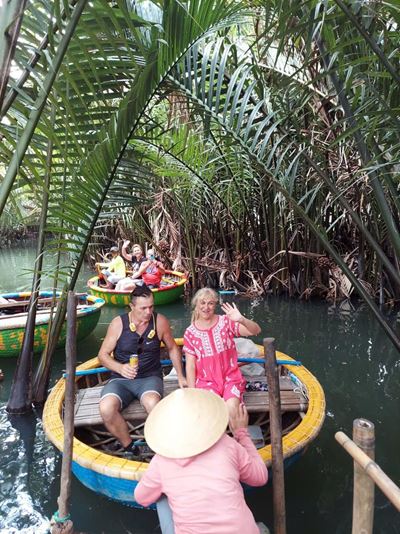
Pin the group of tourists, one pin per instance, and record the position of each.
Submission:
(197, 469)
(145, 269)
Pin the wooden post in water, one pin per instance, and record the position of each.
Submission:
(364, 487)
(278, 480)
(63, 525)
(364, 461)
(373, 470)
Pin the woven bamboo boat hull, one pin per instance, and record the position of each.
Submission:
(117, 478)
(11, 336)
(172, 291)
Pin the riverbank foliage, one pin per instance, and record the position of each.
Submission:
(255, 144)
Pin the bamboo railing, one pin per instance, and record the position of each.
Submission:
(366, 474)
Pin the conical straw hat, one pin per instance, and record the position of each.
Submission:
(186, 422)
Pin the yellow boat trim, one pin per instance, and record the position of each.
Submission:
(92, 284)
(112, 466)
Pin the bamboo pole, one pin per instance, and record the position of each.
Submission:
(364, 487)
(62, 522)
(384, 483)
(278, 484)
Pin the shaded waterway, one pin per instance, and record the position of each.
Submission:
(342, 346)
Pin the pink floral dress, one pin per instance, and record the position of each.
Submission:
(216, 357)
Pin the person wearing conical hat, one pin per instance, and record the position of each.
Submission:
(210, 350)
(198, 467)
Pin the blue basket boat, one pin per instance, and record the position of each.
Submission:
(303, 409)
(14, 313)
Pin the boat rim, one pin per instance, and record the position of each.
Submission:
(100, 462)
(94, 305)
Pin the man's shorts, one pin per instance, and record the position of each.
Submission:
(126, 389)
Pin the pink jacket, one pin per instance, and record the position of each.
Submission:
(204, 491)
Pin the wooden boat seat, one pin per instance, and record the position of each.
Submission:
(87, 402)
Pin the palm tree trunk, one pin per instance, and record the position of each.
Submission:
(20, 400)
(42, 375)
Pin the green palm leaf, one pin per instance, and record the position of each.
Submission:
(233, 90)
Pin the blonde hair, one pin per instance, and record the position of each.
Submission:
(205, 291)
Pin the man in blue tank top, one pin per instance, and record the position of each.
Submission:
(135, 339)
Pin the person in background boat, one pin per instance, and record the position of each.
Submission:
(113, 271)
(135, 334)
(151, 270)
(209, 347)
(136, 258)
(198, 467)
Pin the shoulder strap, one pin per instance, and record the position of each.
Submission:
(155, 314)
(125, 321)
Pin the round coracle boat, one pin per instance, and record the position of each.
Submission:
(100, 465)
(14, 313)
(171, 288)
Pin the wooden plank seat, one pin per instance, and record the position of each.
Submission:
(87, 402)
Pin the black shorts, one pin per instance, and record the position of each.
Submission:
(126, 389)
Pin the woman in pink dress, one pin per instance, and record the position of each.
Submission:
(211, 356)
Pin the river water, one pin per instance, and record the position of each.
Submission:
(342, 345)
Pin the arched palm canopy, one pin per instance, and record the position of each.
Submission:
(284, 122)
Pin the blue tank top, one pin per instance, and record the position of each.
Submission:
(128, 345)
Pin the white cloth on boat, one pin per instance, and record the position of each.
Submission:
(172, 375)
(246, 348)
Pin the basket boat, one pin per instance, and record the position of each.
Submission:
(13, 317)
(106, 473)
(172, 286)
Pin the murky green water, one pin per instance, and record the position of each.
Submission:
(347, 351)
